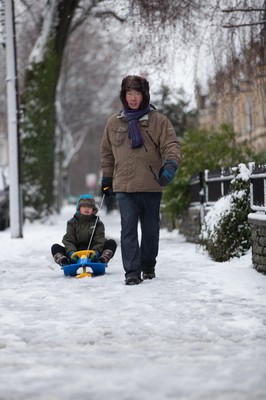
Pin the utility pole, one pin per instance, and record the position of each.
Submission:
(12, 123)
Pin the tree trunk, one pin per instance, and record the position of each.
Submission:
(39, 114)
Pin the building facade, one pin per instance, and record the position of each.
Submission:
(238, 99)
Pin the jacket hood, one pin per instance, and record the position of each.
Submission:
(86, 199)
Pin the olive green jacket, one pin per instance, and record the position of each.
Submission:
(79, 231)
(137, 169)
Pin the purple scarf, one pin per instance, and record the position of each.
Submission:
(132, 117)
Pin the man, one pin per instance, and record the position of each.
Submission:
(140, 154)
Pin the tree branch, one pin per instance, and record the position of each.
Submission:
(249, 9)
(98, 14)
(240, 25)
(111, 14)
(29, 10)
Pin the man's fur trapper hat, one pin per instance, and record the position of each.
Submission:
(135, 82)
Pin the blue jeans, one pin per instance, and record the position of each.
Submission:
(143, 207)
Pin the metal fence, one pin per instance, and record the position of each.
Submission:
(196, 190)
(208, 187)
(258, 187)
(217, 184)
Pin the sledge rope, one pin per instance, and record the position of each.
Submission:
(89, 245)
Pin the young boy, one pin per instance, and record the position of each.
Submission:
(78, 235)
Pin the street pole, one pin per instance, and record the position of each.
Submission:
(13, 131)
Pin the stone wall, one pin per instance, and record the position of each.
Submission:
(257, 223)
(190, 224)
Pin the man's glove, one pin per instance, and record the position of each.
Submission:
(107, 186)
(73, 257)
(167, 172)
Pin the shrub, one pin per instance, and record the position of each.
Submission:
(203, 149)
(226, 232)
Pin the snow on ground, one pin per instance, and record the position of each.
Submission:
(198, 331)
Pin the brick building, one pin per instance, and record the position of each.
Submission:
(237, 97)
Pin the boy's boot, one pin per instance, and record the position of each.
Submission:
(61, 259)
(106, 256)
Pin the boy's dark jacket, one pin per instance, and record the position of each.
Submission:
(79, 231)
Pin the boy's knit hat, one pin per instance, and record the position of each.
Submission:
(135, 82)
(86, 200)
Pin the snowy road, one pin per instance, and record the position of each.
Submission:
(196, 332)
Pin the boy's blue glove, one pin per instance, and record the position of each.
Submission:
(107, 186)
(94, 257)
(167, 172)
(73, 257)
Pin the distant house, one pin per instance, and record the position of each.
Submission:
(237, 96)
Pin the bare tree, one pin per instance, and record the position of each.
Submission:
(38, 125)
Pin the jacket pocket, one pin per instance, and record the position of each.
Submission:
(154, 168)
(118, 136)
(153, 173)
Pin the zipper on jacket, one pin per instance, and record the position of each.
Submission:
(151, 138)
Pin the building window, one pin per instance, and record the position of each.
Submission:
(229, 114)
(249, 112)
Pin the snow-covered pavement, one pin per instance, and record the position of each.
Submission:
(198, 331)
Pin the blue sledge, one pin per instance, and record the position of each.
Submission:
(89, 268)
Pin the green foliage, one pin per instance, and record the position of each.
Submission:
(260, 157)
(175, 107)
(226, 232)
(38, 104)
(38, 127)
(203, 149)
(176, 196)
(213, 149)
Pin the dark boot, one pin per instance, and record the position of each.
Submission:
(148, 269)
(106, 256)
(61, 259)
(133, 280)
(148, 275)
